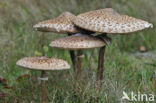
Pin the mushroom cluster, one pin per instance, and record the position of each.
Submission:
(79, 30)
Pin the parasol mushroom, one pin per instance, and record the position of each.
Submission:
(78, 42)
(43, 64)
(61, 24)
(108, 21)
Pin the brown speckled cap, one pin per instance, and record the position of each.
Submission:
(109, 21)
(77, 42)
(43, 63)
(61, 24)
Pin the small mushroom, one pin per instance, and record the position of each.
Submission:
(108, 21)
(44, 64)
(78, 42)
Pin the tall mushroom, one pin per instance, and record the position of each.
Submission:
(43, 64)
(78, 42)
(107, 21)
(61, 24)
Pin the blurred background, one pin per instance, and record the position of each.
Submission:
(130, 61)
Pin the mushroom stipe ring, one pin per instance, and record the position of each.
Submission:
(43, 79)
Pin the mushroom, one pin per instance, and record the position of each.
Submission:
(61, 24)
(43, 64)
(108, 21)
(78, 42)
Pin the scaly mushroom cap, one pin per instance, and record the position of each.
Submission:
(109, 21)
(61, 24)
(43, 63)
(77, 42)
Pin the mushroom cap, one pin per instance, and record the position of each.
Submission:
(109, 21)
(43, 63)
(61, 24)
(77, 42)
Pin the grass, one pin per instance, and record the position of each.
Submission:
(123, 70)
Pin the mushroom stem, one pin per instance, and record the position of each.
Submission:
(73, 59)
(100, 64)
(43, 75)
(100, 68)
(78, 71)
